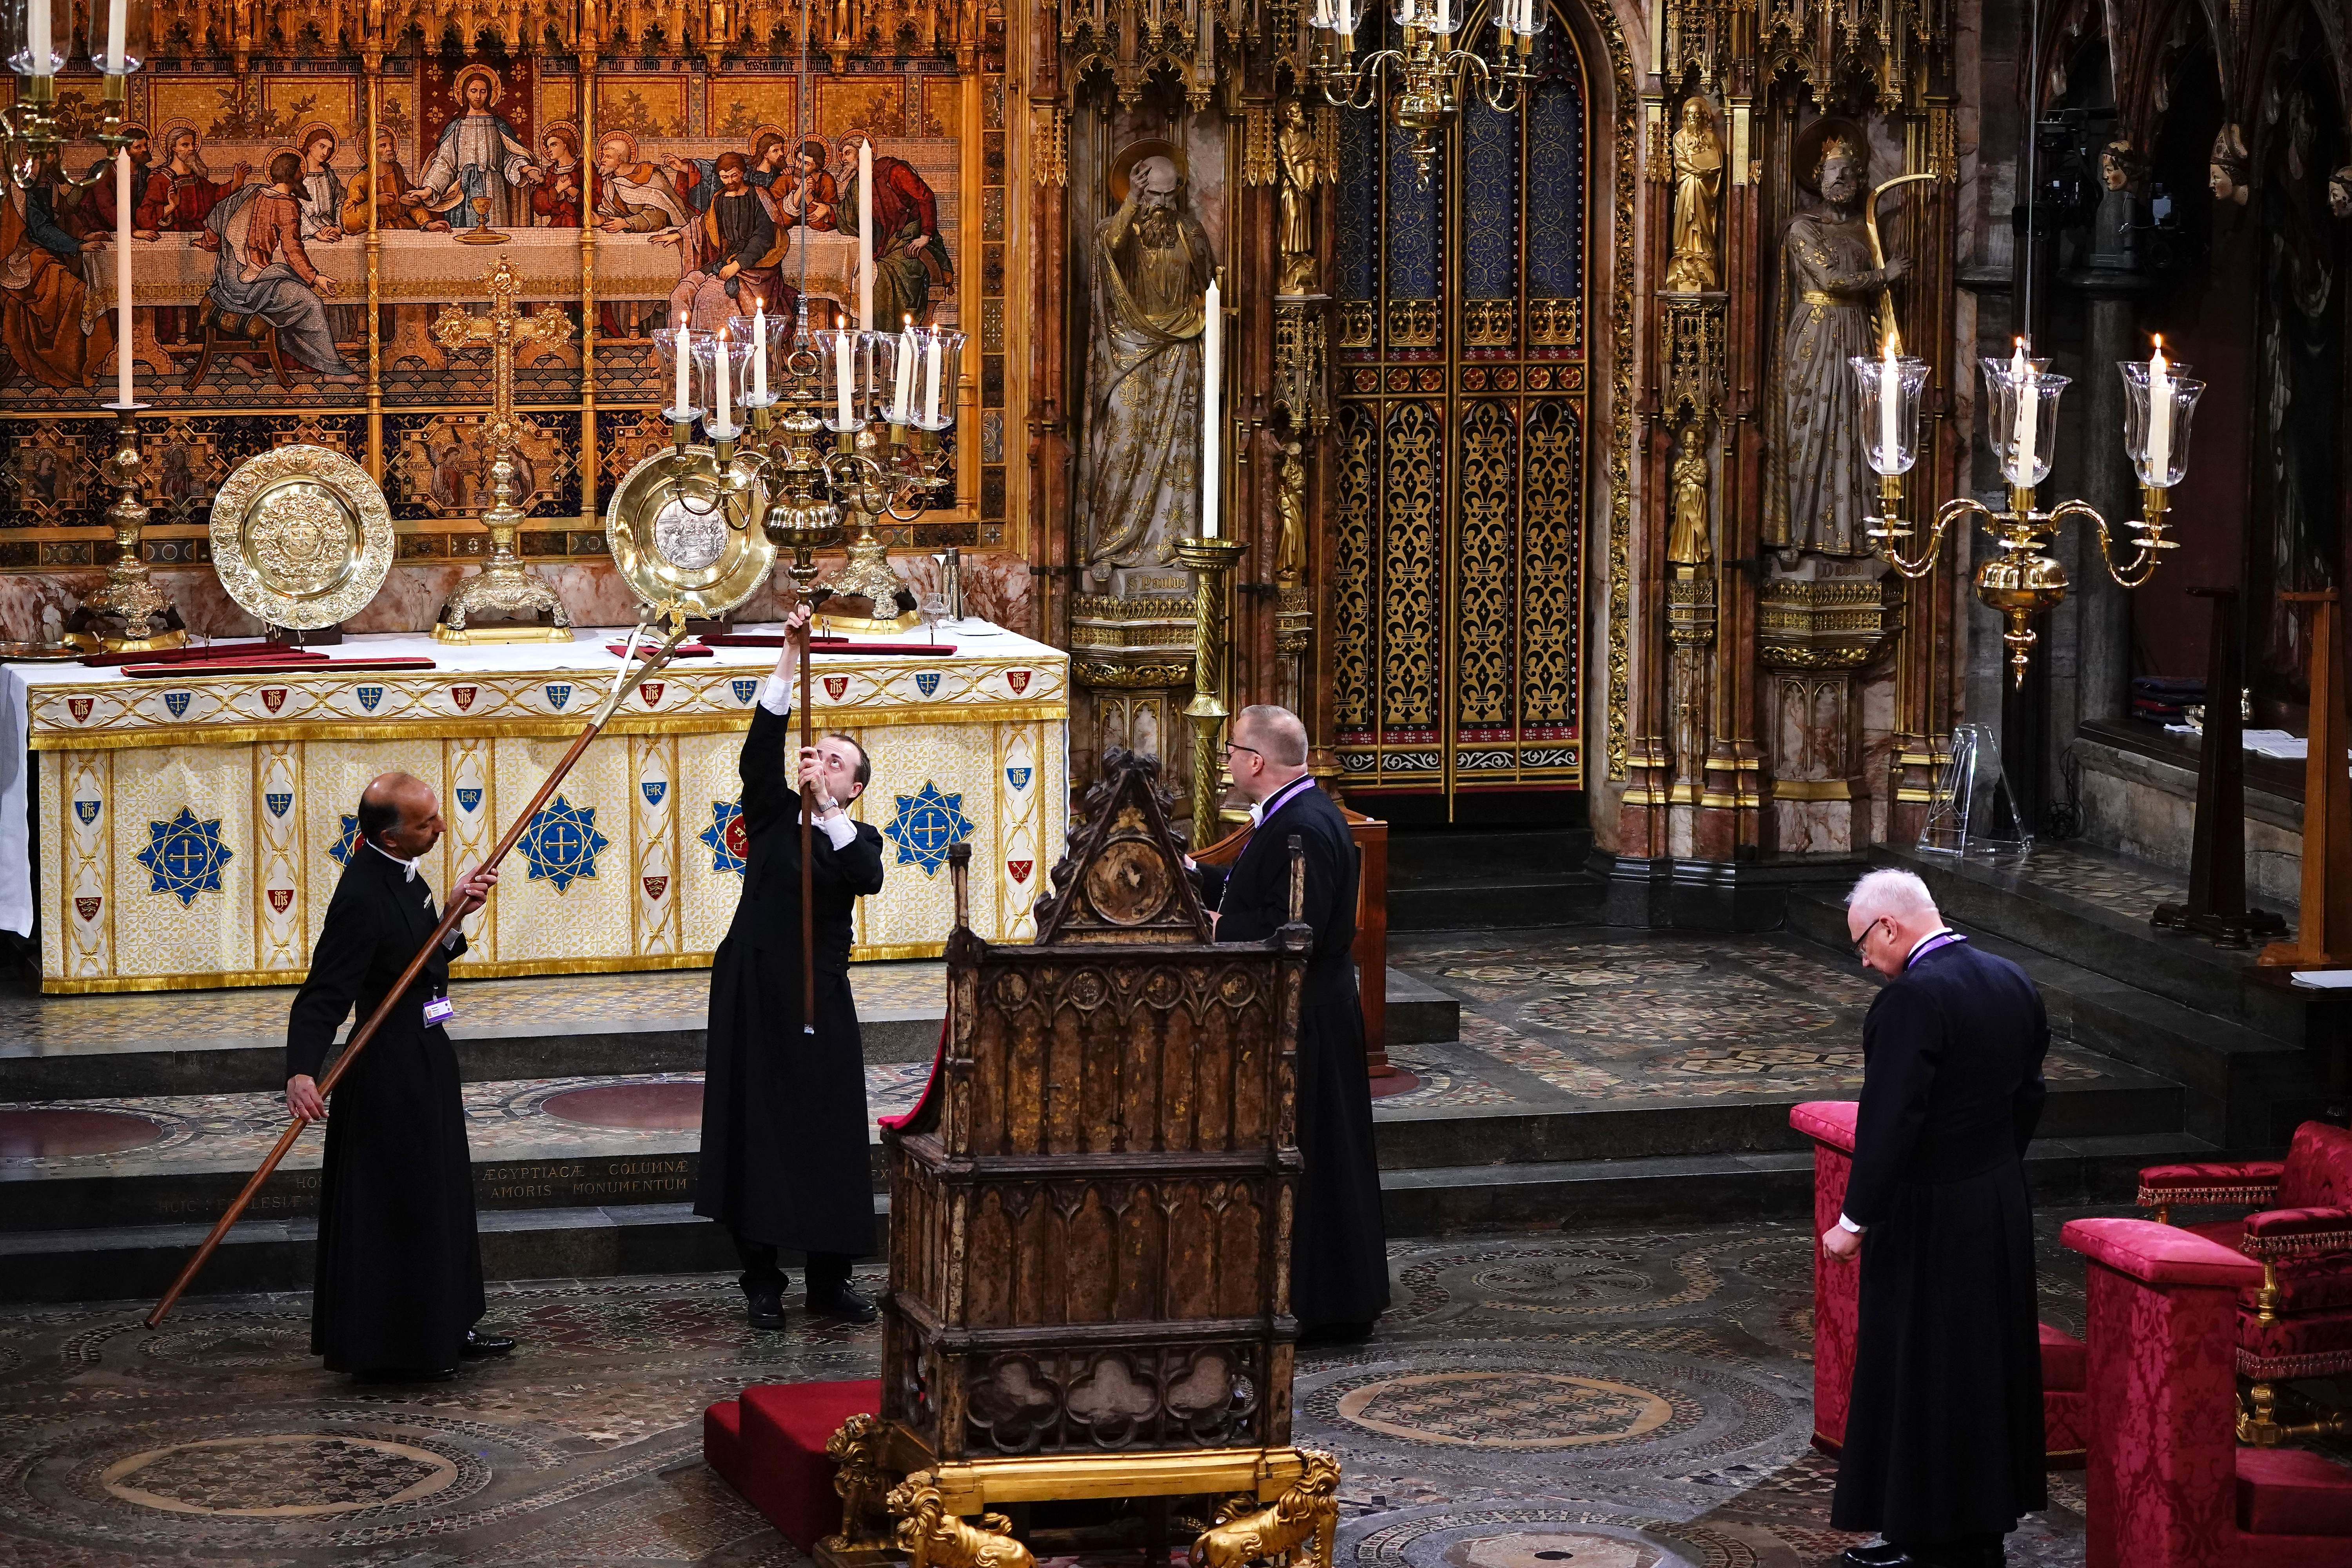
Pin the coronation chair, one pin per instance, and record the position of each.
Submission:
(2297, 1321)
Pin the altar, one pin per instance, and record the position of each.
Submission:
(189, 832)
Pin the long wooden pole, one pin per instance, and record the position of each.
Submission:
(808, 837)
(394, 997)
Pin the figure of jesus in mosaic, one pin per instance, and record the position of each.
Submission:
(480, 170)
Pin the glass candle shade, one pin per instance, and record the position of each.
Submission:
(1890, 431)
(2022, 419)
(37, 35)
(847, 375)
(937, 351)
(1438, 17)
(118, 35)
(759, 392)
(706, 346)
(681, 391)
(2158, 442)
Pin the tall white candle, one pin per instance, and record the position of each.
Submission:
(2029, 413)
(125, 362)
(1890, 406)
(2160, 414)
(844, 373)
(681, 339)
(865, 237)
(759, 348)
(118, 25)
(931, 381)
(1444, 14)
(1213, 343)
(37, 37)
(718, 369)
(902, 383)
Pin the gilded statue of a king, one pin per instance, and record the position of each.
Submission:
(1816, 489)
(1140, 477)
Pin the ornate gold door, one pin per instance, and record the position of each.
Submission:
(1461, 443)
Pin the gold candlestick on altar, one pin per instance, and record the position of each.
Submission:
(502, 589)
(1209, 560)
(128, 612)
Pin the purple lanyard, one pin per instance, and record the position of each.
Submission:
(1283, 797)
(1945, 938)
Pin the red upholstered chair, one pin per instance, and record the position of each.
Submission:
(2167, 1486)
(2065, 1400)
(2295, 1320)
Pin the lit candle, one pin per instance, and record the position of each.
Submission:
(902, 385)
(931, 381)
(1212, 328)
(2029, 413)
(843, 372)
(865, 237)
(2159, 415)
(1890, 406)
(125, 362)
(118, 23)
(681, 341)
(718, 369)
(1444, 14)
(758, 349)
(1407, 17)
(37, 38)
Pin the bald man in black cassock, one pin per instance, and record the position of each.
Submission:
(1339, 1249)
(399, 1279)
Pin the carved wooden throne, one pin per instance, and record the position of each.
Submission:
(1090, 1216)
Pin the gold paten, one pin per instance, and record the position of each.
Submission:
(680, 535)
(1308, 1513)
(301, 537)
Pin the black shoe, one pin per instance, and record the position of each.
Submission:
(405, 1375)
(764, 1306)
(844, 1304)
(478, 1343)
(1879, 1554)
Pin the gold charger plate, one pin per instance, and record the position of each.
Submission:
(301, 537)
(671, 539)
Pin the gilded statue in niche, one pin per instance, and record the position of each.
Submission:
(1689, 541)
(1290, 501)
(1698, 182)
(1151, 267)
(1301, 158)
(1816, 489)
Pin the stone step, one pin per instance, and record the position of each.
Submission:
(138, 1262)
(1514, 900)
(2242, 1089)
(230, 1043)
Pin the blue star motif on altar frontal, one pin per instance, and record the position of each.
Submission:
(184, 857)
(561, 843)
(730, 847)
(347, 841)
(925, 825)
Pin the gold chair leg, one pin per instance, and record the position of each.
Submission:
(2164, 1213)
(2266, 1300)
(2259, 1426)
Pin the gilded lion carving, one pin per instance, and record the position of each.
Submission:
(1308, 1513)
(933, 1537)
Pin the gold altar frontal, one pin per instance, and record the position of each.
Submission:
(189, 832)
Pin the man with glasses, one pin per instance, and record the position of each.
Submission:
(1942, 1439)
(1339, 1252)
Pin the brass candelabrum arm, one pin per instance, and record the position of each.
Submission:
(2143, 563)
(1365, 76)
(1891, 529)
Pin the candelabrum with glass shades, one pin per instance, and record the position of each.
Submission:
(2019, 580)
(1427, 79)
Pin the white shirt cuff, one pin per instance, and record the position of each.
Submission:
(1847, 1224)
(839, 830)
(776, 695)
(454, 938)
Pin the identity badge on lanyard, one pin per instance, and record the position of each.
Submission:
(440, 1010)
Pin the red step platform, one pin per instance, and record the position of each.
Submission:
(769, 1445)
(2065, 1397)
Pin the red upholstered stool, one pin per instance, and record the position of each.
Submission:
(2065, 1407)
(769, 1446)
(2168, 1485)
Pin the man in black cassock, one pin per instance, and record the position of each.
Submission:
(785, 1162)
(399, 1281)
(1943, 1436)
(1338, 1249)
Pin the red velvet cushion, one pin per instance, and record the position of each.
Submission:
(2308, 1344)
(786, 1475)
(722, 1441)
(2318, 1169)
(2227, 1232)
(2238, 1182)
(1829, 1121)
(2293, 1491)
(2307, 1233)
(2065, 1364)
(2159, 1254)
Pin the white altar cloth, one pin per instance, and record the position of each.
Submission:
(189, 831)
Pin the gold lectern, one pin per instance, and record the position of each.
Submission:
(1090, 1223)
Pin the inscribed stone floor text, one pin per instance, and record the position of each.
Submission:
(1634, 1399)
